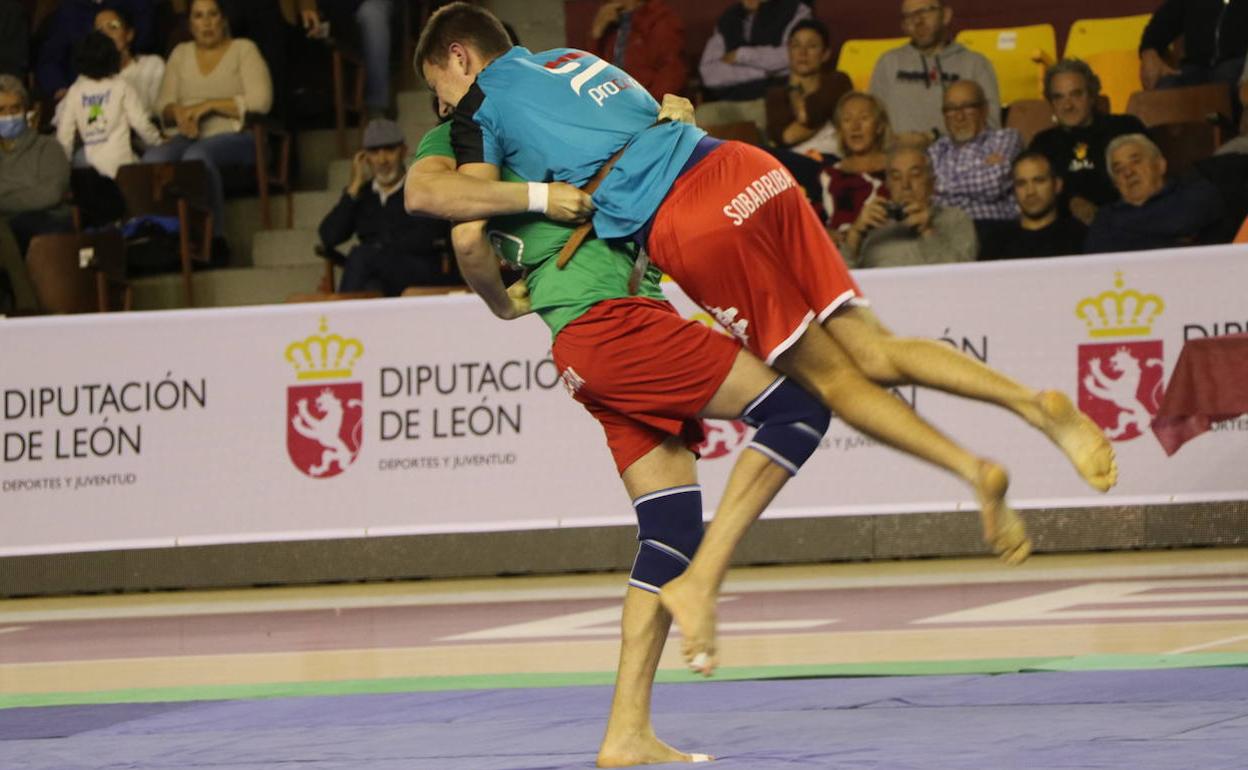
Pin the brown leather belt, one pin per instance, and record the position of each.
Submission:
(582, 230)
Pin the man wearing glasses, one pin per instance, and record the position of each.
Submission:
(911, 80)
(972, 161)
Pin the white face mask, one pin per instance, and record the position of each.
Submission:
(12, 126)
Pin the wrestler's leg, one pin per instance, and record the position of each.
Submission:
(890, 359)
(758, 475)
(823, 367)
(630, 738)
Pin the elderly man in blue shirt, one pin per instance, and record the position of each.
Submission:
(1154, 213)
(972, 161)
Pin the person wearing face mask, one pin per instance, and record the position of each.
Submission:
(1076, 145)
(211, 84)
(34, 178)
(395, 250)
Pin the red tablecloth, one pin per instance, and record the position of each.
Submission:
(1209, 384)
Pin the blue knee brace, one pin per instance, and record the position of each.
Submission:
(669, 526)
(790, 423)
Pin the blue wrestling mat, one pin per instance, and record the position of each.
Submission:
(1179, 719)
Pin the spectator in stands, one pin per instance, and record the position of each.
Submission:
(858, 177)
(1152, 214)
(1076, 145)
(142, 71)
(211, 85)
(912, 228)
(34, 179)
(1043, 229)
(72, 21)
(1215, 39)
(103, 109)
(747, 51)
(366, 24)
(799, 113)
(647, 39)
(14, 39)
(972, 161)
(395, 250)
(911, 80)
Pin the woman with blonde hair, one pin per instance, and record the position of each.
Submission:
(863, 128)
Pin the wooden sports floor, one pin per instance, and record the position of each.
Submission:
(1111, 609)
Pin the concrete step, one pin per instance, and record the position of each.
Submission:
(538, 23)
(339, 174)
(311, 206)
(318, 148)
(228, 287)
(279, 248)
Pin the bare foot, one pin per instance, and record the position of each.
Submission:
(1079, 438)
(628, 751)
(1003, 527)
(693, 609)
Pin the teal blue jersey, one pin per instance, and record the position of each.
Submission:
(559, 115)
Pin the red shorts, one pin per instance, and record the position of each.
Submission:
(738, 235)
(644, 371)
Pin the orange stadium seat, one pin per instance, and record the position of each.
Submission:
(1018, 55)
(858, 57)
(1029, 117)
(1209, 103)
(1111, 49)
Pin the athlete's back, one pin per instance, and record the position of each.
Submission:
(561, 114)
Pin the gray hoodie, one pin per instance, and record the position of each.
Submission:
(912, 85)
(34, 174)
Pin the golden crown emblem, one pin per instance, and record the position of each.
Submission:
(1118, 313)
(324, 356)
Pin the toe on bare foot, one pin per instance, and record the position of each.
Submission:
(694, 614)
(643, 750)
(1080, 439)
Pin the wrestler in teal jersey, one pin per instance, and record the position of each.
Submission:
(532, 242)
(559, 115)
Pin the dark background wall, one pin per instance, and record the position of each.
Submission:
(881, 18)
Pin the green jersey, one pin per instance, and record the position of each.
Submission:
(600, 271)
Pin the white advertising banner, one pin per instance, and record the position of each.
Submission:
(429, 415)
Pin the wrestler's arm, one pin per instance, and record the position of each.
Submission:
(458, 198)
(478, 263)
(461, 198)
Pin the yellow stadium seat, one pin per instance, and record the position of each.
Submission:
(858, 58)
(1090, 36)
(1017, 54)
(1119, 72)
(1111, 49)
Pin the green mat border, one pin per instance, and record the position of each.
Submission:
(512, 681)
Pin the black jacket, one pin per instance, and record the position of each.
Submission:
(1213, 31)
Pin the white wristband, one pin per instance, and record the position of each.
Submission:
(539, 196)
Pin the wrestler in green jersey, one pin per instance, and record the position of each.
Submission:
(599, 271)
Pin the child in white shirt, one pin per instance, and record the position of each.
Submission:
(103, 109)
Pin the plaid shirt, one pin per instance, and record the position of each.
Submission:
(965, 179)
